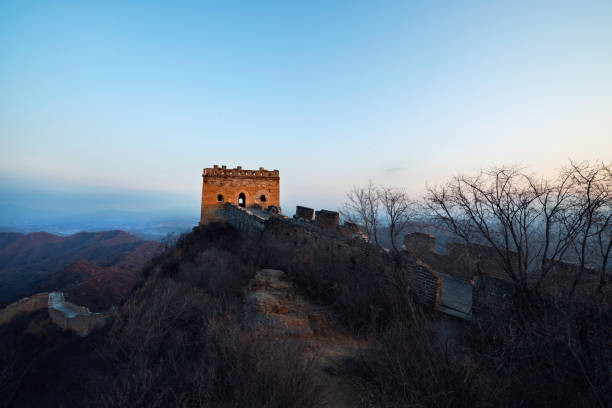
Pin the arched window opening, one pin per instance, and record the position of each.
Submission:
(220, 198)
(263, 198)
(242, 200)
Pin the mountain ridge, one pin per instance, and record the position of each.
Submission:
(111, 258)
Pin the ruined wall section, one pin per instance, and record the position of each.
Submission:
(24, 306)
(66, 315)
(74, 317)
(260, 187)
(327, 219)
(81, 324)
(305, 213)
(419, 244)
(426, 285)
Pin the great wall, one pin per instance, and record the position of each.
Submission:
(472, 301)
(65, 314)
(436, 283)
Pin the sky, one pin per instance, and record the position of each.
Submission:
(127, 98)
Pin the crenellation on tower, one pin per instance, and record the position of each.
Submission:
(215, 171)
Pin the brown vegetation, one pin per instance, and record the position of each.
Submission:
(532, 225)
(183, 337)
(97, 269)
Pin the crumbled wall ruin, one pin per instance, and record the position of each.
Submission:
(22, 306)
(73, 317)
(304, 213)
(327, 219)
(65, 314)
(418, 243)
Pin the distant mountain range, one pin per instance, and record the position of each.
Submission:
(146, 225)
(96, 269)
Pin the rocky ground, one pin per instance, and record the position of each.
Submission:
(273, 304)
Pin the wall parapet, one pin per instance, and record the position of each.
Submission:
(223, 171)
(74, 317)
(65, 314)
(254, 220)
(244, 219)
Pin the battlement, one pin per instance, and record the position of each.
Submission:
(223, 171)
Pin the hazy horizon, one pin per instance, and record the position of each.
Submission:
(119, 107)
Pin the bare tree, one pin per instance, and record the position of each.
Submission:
(559, 223)
(363, 208)
(592, 185)
(397, 209)
(532, 224)
(491, 209)
(527, 222)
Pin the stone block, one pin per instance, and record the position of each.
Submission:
(418, 243)
(327, 219)
(304, 213)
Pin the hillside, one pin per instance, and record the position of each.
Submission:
(297, 316)
(86, 283)
(84, 264)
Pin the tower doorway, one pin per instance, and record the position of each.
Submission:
(242, 200)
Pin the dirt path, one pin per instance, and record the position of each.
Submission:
(273, 301)
(339, 392)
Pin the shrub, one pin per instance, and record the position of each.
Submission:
(217, 271)
(176, 345)
(406, 367)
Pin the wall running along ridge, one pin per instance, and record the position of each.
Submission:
(473, 301)
(244, 219)
(23, 306)
(65, 314)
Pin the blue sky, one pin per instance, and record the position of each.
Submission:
(103, 96)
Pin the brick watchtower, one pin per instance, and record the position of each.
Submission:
(237, 186)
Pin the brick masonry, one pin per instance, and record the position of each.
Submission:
(304, 212)
(221, 185)
(327, 219)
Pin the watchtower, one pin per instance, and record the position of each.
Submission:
(243, 188)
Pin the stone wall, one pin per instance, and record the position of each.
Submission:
(352, 231)
(304, 213)
(66, 315)
(73, 317)
(426, 285)
(417, 243)
(81, 324)
(327, 219)
(244, 219)
(488, 298)
(261, 187)
(24, 306)
(254, 221)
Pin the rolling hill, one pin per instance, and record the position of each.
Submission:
(98, 267)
